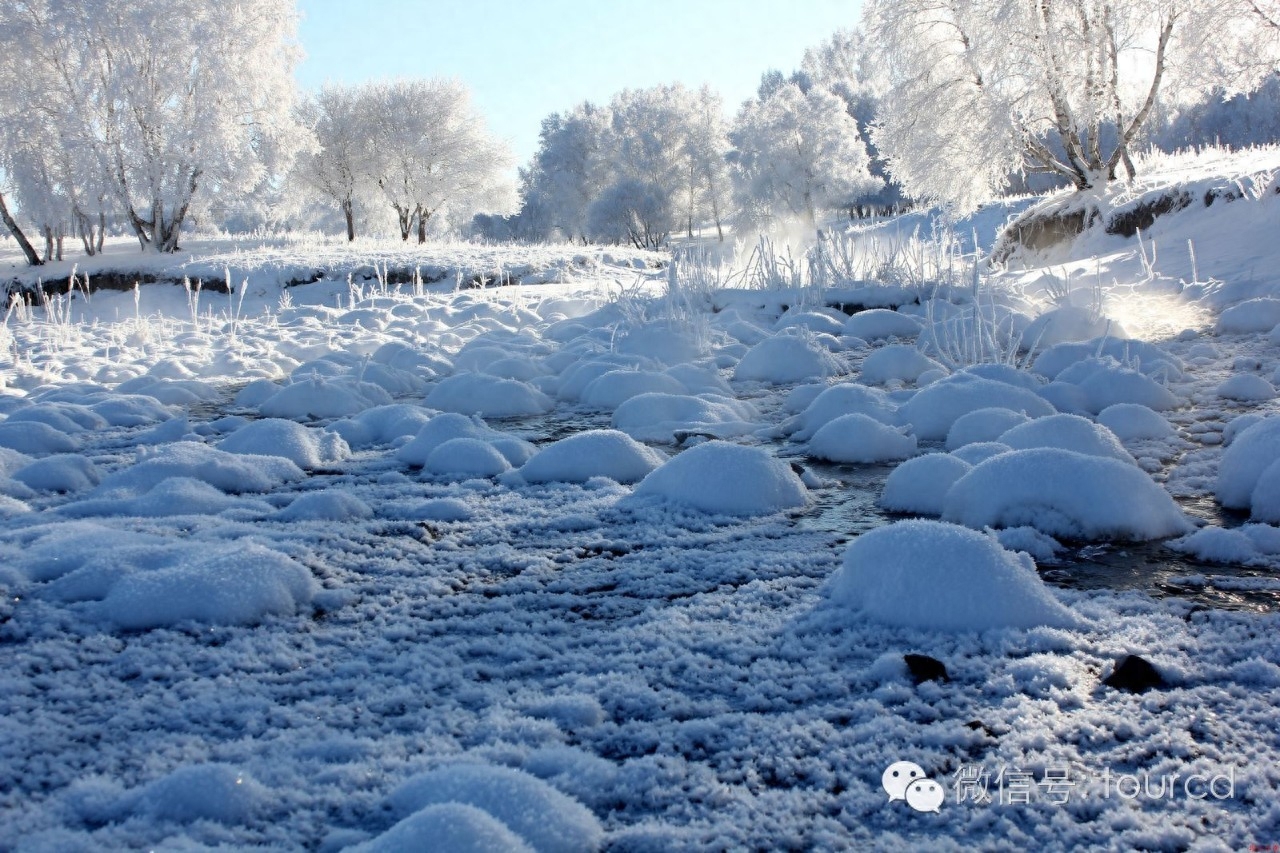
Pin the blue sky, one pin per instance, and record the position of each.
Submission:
(524, 59)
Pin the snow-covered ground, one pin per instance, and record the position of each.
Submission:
(616, 558)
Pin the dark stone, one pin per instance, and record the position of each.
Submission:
(1134, 674)
(924, 668)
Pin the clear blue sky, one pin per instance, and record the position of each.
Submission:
(525, 59)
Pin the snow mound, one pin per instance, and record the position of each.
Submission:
(1068, 432)
(786, 359)
(931, 575)
(980, 451)
(934, 409)
(548, 820)
(36, 439)
(318, 398)
(227, 472)
(216, 792)
(64, 417)
(594, 453)
(1264, 501)
(860, 438)
(611, 389)
(382, 425)
(1107, 384)
(663, 341)
(1142, 356)
(728, 479)
(452, 827)
(488, 396)
(326, 506)
(920, 485)
(466, 457)
(438, 430)
(1132, 422)
(1246, 387)
(658, 417)
(303, 446)
(1065, 494)
(896, 362)
(65, 472)
(173, 496)
(234, 585)
(982, 425)
(129, 410)
(1253, 315)
(880, 323)
(1068, 324)
(847, 398)
(1252, 451)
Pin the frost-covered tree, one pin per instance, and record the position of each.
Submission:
(705, 154)
(431, 150)
(843, 65)
(338, 168)
(798, 153)
(982, 88)
(632, 210)
(568, 171)
(162, 97)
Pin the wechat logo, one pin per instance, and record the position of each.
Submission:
(905, 780)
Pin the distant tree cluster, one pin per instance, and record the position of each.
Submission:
(663, 161)
(417, 147)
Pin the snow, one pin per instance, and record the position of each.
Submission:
(447, 826)
(860, 438)
(896, 362)
(303, 446)
(544, 818)
(1252, 315)
(1068, 432)
(232, 585)
(1064, 493)
(213, 791)
(938, 576)
(982, 425)
(658, 417)
(1132, 421)
(786, 359)
(879, 323)
(592, 453)
(835, 401)
(1246, 387)
(1254, 450)
(934, 409)
(727, 479)
(488, 396)
(466, 457)
(228, 472)
(920, 485)
(61, 473)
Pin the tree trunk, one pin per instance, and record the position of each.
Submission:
(422, 224)
(349, 214)
(23, 243)
(102, 229)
